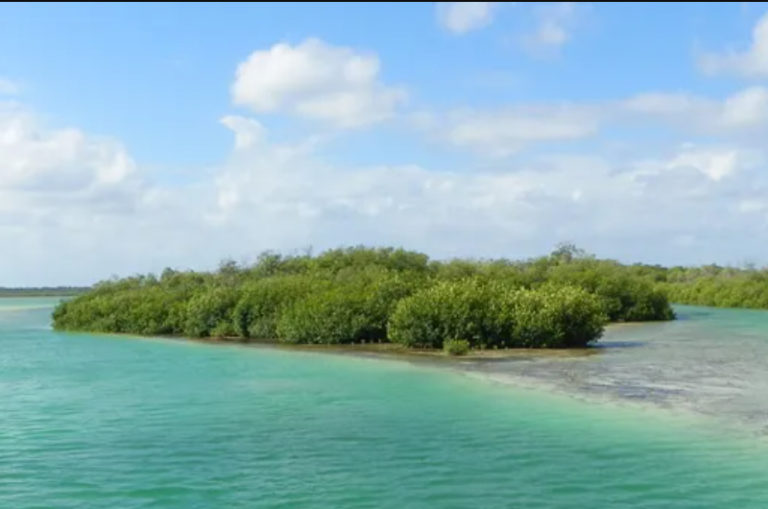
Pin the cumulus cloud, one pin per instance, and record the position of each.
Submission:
(316, 80)
(751, 62)
(75, 207)
(463, 17)
(36, 160)
(282, 196)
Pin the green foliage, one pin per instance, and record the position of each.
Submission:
(361, 294)
(493, 315)
(554, 317)
(332, 316)
(446, 311)
(354, 308)
(565, 252)
(209, 313)
(625, 296)
(136, 305)
(456, 347)
(263, 301)
(712, 285)
(360, 257)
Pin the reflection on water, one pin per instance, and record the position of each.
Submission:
(711, 361)
(16, 304)
(618, 344)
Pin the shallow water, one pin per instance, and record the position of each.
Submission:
(709, 361)
(105, 421)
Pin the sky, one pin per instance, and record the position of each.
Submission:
(135, 137)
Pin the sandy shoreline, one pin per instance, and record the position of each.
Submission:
(394, 351)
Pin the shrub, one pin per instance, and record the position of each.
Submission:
(456, 347)
(554, 317)
(446, 311)
(331, 316)
(210, 312)
(353, 307)
(626, 294)
(487, 314)
(263, 301)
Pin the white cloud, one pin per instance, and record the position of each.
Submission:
(248, 131)
(635, 209)
(503, 132)
(663, 104)
(463, 17)
(746, 108)
(714, 163)
(741, 111)
(8, 87)
(34, 159)
(752, 62)
(76, 207)
(315, 80)
(555, 25)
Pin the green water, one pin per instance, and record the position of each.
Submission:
(99, 421)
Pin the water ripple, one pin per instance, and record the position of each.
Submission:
(104, 422)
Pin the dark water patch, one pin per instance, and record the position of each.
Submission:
(618, 344)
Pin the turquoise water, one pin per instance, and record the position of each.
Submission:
(104, 421)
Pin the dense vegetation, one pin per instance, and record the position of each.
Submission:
(456, 346)
(712, 285)
(57, 291)
(493, 315)
(358, 295)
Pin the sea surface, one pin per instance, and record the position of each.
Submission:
(667, 415)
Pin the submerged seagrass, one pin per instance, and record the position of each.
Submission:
(361, 294)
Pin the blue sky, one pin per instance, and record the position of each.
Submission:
(134, 137)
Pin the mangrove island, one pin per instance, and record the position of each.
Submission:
(360, 295)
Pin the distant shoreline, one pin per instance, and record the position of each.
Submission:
(43, 292)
